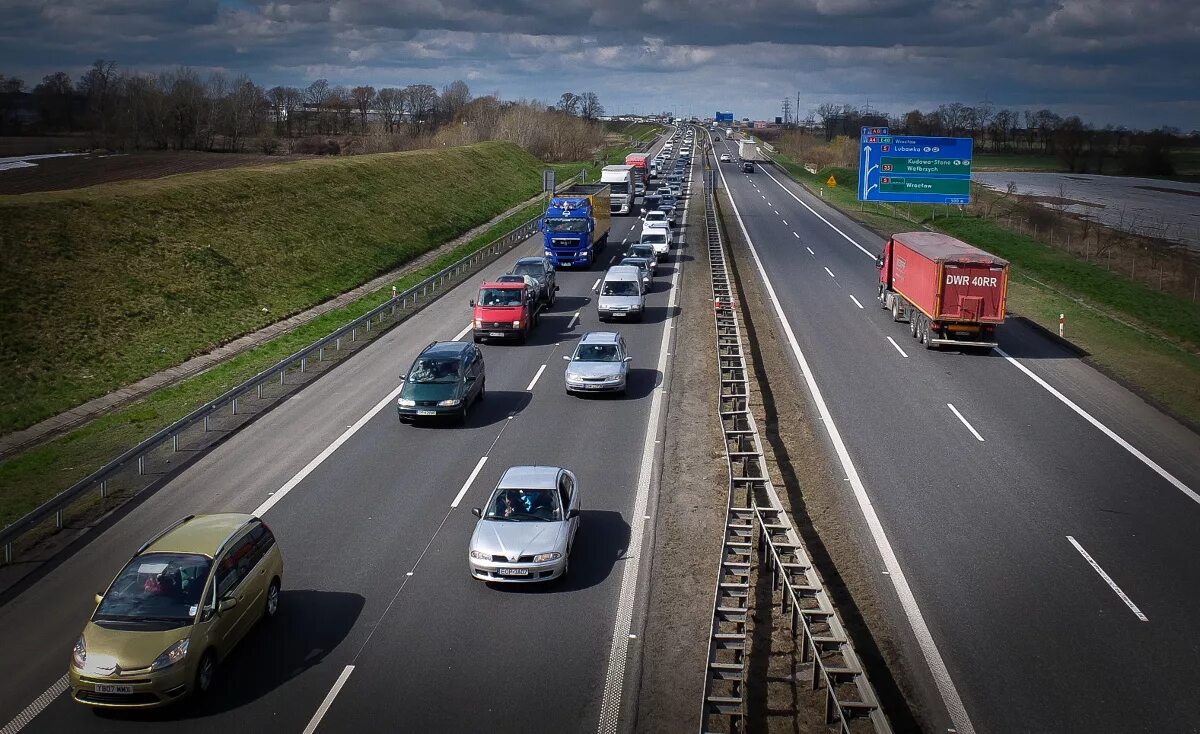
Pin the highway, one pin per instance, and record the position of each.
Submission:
(381, 627)
(1048, 550)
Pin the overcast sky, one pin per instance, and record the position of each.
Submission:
(1110, 61)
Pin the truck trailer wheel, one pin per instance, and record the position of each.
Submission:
(897, 311)
(914, 325)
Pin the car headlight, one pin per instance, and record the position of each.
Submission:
(79, 654)
(548, 253)
(172, 655)
(480, 556)
(406, 403)
(573, 377)
(543, 557)
(517, 323)
(452, 401)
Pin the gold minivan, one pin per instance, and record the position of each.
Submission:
(177, 608)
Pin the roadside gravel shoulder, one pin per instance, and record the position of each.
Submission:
(690, 513)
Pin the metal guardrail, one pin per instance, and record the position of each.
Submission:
(755, 518)
(344, 340)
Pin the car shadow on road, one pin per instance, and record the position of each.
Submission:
(658, 314)
(566, 306)
(496, 406)
(639, 383)
(309, 626)
(601, 541)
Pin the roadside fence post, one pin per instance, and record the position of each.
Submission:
(103, 489)
(233, 407)
(1062, 325)
(142, 466)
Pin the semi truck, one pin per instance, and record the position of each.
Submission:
(749, 153)
(620, 181)
(949, 292)
(641, 166)
(576, 224)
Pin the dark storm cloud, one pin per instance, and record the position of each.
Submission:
(1124, 62)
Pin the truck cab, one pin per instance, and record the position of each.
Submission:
(504, 311)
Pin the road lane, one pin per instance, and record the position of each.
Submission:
(979, 526)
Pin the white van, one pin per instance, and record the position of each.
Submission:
(622, 295)
(659, 238)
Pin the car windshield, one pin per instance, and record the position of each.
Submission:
(619, 288)
(567, 225)
(597, 353)
(156, 587)
(524, 505)
(637, 262)
(654, 238)
(533, 270)
(656, 217)
(434, 369)
(499, 297)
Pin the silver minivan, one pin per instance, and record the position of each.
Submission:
(622, 295)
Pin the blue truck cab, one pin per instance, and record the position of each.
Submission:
(576, 224)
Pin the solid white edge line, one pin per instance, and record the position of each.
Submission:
(470, 480)
(300, 475)
(818, 216)
(1105, 429)
(970, 427)
(618, 654)
(535, 378)
(933, 657)
(462, 333)
(831, 275)
(337, 686)
(1108, 580)
(856, 303)
(897, 346)
(39, 704)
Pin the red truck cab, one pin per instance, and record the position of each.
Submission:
(504, 311)
(949, 292)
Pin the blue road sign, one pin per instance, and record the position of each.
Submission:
(910, 168)
(724, 117)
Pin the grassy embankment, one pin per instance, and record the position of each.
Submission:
(1155, 349)
(311, 260)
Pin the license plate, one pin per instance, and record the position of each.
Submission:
(113, 688)
(426, 412)
(618, 314)
(513, 571)
(495, 333)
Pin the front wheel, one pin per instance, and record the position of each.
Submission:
(205, 672)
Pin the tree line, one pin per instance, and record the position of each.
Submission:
(183, 109)
(1080, 146)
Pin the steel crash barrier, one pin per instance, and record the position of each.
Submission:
(759, 537)
(152, 459)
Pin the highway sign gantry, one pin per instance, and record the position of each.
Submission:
(910, 168)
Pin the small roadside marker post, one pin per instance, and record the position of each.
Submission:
(1062, 325)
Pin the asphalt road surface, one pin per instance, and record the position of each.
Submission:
(381, 626)
(1043, 551)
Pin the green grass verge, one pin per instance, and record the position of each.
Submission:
(108, 284)
(1166, 368)
(36, 475)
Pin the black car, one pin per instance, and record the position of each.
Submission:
(445, 379)
(650, 202)
(542, 271)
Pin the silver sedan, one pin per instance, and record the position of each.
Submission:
(600, 363)
(526, 531)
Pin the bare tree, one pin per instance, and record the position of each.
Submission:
(365, 100)
(55, 100)
(589, 106)
(316, 100)
(568, 103)
(421, 100)
(391, 104)
(97, 85)
(455, 96)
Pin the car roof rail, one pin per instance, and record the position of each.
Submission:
(164, 531)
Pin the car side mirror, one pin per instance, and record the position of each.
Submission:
(558, 287)
(477, 511)
(403, 378)
(572, 514)
(879, 262)
(629, 359)
(99, 598)
(472, 303)
(226, 604)
(566, 358)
